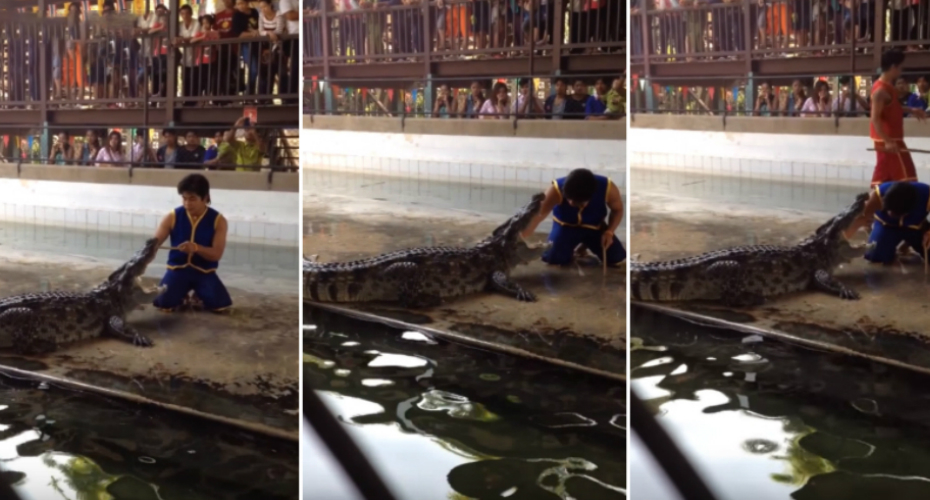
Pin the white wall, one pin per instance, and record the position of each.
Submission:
(491, 160)
(261, 217)
(822, 159)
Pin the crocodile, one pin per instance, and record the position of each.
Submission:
(746, 275)
(424, 276)
(38, 323)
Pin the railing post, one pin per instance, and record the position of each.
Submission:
(646, 46)
(40, 46)
(171, 87)
(427, 39)
(557, 36)
(328, 97)
(878, 32)
(650, 97)
(750, 95)
(428, 96)
(747, 34)
(327, 32)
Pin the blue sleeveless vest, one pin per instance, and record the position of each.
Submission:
(915, 218)
(592, 215)
(201, 233)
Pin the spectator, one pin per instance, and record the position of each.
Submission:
(271, 25)
(579, 102)
(206, 62)
(615, 99)
(904, 92)
(251, 52)
(765, 103)
(795, 102)
(140, 153)
(90, 148)
(62, 152)
(290, 10)
(246, 154)
(445, 104)
(818, 105)
(474, 101)
(497, 107)
(557, 104)
(72, 61)
(193, 154)
(159, 56)
(209, 157)
(596, 105)
(229, 23)
(482, 23)
(843, 103)
(188, 30)
(111, 155)
(919, 99)
(526, 103)
(167, 155)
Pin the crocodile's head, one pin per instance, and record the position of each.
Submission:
(126, 281)
(530, 252)
(508, 233)
(831, 235)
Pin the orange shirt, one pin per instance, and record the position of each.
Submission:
(892, 118)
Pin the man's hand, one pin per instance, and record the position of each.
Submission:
(920, 114)
(891, 147)
(607, 239)
(188, 247)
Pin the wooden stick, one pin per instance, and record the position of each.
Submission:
(604, 259)
(169, 248)
(926, 267)
(923, 151)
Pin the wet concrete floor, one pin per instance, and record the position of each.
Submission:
(889, 322)
(242, 366)
(580, 314)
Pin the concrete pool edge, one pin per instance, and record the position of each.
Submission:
(253, 427)
(710, 321)
(461, 338)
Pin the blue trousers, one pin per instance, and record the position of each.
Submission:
(887, 239)
(207, 286)
(564, 240)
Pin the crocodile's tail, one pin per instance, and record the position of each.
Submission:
(335, 282)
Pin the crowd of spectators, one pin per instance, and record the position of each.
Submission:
(823, 101)
(687, 27)
(114, 58)
(378, 30)
(241, 148)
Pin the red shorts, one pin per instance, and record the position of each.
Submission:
(890, 167)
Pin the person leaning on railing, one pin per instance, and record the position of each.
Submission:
(245, 154)
(62, 153)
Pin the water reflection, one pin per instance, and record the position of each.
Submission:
(60, 444)
(460, 423)
(766, 420)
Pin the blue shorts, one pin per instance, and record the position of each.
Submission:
(207, 286)
(566, 238)
(887, 239)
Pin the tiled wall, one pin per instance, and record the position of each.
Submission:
(839, 160)
(525, 162)
(260, 217)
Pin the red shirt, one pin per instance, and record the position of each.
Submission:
(223, 23)
(892, 118)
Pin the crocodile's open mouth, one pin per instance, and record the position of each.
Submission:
(145, 290)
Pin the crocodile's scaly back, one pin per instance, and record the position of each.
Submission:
(436, 272)
(756, 270)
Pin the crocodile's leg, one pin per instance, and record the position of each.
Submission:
(501, 283)
(410, 286)
(119, 329)
(826, 283)
(22, 324)
(733, 291)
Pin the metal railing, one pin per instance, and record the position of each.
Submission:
(54, 64)
(386, 31)
(539, 97)
(275, 149)
(746, 30)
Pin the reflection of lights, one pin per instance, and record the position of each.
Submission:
(584, 421)
(509, 492)
(350, 343)
(397, 360)
(657, 362)
(681, 370)
(417, 337)
(616, 422)
(376, 382)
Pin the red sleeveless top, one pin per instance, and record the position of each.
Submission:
(892, 118)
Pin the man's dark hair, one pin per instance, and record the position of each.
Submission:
(523, 82)
(197, 184)
(558, 79)
(580, 185)
(844, 80)
(169, 131)
(187, 8)
(893, 57)
(900, 198)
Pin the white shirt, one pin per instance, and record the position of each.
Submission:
(285, 6)
(188, 32)
(146, 24)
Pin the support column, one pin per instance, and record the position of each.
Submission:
(171, 89)
(428, 96)
(650, 97)
(327, 98)
(750, 95)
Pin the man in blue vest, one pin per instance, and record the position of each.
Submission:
(580, 203)
(198, 239)
(899, 210)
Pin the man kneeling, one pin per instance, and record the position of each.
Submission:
(580, 202)
(900, 212)
(198, 239)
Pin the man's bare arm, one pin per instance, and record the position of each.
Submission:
(215, 253)
(879, 100)
(615, 203)
(549, 202)
(164, 229)
(868, 212)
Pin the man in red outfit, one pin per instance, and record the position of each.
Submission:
(893, 161)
